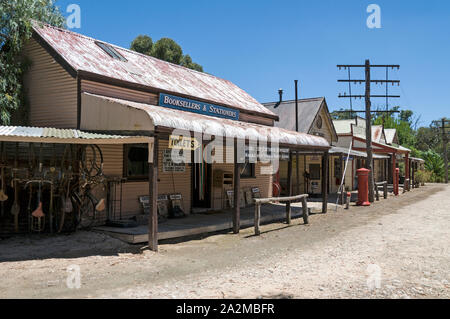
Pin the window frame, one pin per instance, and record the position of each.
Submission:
(311, 177)
(112, 52)
(252, 172)
(138, 178)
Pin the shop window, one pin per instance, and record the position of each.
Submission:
(337, 168)
(248, 170)
(136, 161)
(314, 171)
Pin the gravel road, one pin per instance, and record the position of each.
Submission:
(397, 248)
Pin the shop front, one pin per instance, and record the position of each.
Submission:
(215, 147)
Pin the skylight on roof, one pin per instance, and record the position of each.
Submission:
(111, 51)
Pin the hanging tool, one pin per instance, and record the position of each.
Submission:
(52, 177)
(66, 203)
(15, 210)
(38, 224)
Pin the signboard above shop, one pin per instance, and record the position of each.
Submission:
(182, 104)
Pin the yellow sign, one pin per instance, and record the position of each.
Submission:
(183, 143)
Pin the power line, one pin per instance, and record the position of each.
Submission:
(368, 81)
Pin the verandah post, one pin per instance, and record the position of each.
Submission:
(237, 190)
(289, 187)
(153, 197)
(325, 182)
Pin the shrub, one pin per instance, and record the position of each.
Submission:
(423, 176)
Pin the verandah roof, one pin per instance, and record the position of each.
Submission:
(105, 113)
(344, 151)
(24, 134)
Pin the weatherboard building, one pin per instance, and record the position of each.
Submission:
(76, 82)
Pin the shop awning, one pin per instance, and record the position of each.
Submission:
(100, 113)
(344, 151)
(23, 134)
(416, 159)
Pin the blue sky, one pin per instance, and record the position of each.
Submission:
(264, 45)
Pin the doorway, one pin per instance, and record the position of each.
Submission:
(202, 179)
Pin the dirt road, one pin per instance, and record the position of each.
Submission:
(397, 248)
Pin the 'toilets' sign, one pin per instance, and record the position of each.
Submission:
(179, 103)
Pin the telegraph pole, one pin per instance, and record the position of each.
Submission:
(368, 111)
(369, 162)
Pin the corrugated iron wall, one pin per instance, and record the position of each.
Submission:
(119, 92)
(52, 92)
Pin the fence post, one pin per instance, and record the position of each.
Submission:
(288, 204)
(257, 218)
(305, 210)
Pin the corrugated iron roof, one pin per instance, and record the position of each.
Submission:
(377, 133)
(343, 126)
(44, 133)
(308, 110)
(391, 134)
(83, 54)
(175, 119)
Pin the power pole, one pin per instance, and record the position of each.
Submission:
(368, 111)
(445, 138)
(369, 162)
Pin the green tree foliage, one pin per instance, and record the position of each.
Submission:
(186, 61)
(434, 164)
(168, 50)
(164, 49)
(342, 115)
(142, 44)
(15, 30)
(428, 138)
(403, 124)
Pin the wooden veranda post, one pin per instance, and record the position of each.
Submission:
(237, 190)
(153, 198)
(342, 165)
(289, 187)
(407, 176)
(325, 182)
(394, 166)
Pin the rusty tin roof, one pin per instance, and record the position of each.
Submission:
(83, 54)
